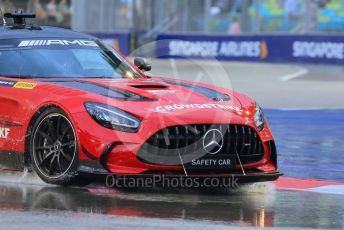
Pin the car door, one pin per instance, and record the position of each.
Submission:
(11, 128)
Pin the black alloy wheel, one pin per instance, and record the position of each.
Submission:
(54, 147)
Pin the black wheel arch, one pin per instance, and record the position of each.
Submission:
(27, 160)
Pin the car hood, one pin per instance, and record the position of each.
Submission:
(147, 98)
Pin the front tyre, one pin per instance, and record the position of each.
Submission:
(54, 148)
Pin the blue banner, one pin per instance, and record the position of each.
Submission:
(264, 48)
(120, 41)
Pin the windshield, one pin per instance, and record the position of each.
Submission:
(44, 58)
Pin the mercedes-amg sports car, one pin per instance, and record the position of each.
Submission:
(72, 107)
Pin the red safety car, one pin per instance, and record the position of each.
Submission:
(71, 107)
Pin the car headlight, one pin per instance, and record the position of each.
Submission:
(112, 118)
(259, 118)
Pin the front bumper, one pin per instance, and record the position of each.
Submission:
(97, 172)
(125, 164)
(116, 153)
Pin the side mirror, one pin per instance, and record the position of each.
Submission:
(142, 64)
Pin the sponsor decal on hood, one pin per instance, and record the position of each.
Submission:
(169, 108)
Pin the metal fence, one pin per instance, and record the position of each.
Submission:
(189, 16)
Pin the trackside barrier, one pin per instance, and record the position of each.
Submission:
(262, 48)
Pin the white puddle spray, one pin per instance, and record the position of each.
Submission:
(25, 177)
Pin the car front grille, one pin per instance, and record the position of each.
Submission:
(188, 139)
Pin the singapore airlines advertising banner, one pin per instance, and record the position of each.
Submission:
(269, 48)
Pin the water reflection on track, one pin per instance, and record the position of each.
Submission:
(257, 205)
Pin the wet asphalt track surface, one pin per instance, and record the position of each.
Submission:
(310, 146)
(45, 207)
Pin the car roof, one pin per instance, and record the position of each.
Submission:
(43, 32)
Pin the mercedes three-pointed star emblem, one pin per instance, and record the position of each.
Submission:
(213, 141)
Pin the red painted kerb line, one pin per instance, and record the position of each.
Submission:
(293, 183)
